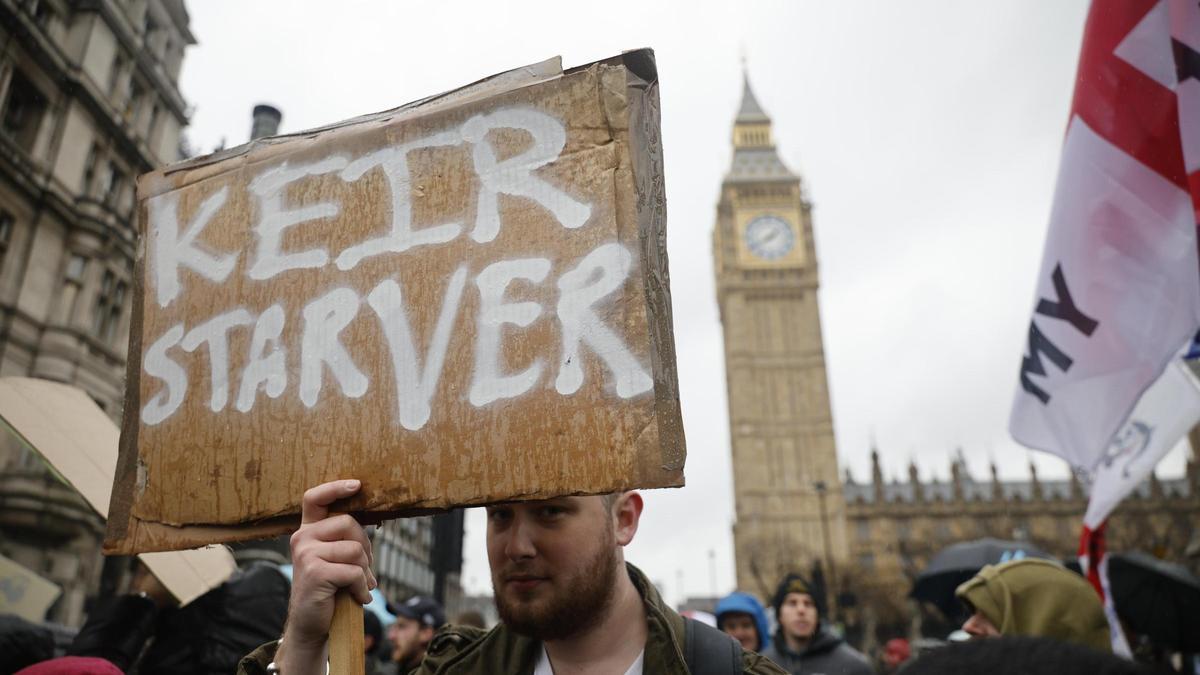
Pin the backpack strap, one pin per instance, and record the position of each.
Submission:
(708, 651)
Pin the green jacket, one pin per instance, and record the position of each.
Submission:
(462, 650)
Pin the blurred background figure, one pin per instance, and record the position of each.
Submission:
(417, 619)
(470, 618)
(145, 632)
(895, 652)
(700, 615)
(1037, 598)
(743, 617)
(803, 645)
(372, 639)
(1020, 654)
(22, 643)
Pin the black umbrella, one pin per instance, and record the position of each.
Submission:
(958, 563)
(1158, 599)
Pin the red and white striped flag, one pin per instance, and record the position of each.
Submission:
(1119, 288)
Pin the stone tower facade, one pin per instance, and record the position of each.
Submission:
(790, 510)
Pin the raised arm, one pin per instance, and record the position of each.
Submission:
(329, 553)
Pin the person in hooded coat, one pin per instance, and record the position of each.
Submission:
(740, 615)
(1037, 598)
(803, 644)
(207, 637)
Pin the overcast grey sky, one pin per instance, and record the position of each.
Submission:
(927, 134)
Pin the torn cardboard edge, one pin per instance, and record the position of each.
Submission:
(83, 455)
(127, 533)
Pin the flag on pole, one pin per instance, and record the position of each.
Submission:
(1164, 414)
(1119, 288)
(1093, 559)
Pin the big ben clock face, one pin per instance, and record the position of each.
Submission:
(769, 237)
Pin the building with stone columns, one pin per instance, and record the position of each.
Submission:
(788, 498)
(89, 99)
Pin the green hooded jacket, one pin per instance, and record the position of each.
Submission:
(463, 650)
(1038, 598)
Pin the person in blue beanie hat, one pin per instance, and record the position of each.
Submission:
(741, 616)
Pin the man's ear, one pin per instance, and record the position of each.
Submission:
(626, 514)
(425, 635)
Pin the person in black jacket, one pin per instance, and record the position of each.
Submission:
(208, 636)
(23, 643)
(802, 644)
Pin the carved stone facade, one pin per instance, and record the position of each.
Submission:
(788, 499)
(89, 99)
(897, 526)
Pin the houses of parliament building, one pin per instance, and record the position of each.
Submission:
(793, 507)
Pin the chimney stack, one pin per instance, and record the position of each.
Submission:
(265, 121)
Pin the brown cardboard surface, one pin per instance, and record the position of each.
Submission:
(534, 274)
(77, 440)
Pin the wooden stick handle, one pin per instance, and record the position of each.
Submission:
(346, 636)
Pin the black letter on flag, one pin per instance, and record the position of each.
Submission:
(1065, 308)
(1039, 344)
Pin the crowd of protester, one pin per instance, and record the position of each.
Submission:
(568, 602)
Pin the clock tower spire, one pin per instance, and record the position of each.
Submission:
(753, 146)
(790, 511)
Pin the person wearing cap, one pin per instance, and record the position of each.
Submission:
(568, 602)
(1034, 597)
(372, 638)
(803, 644)
(417, 619)
(744, 619)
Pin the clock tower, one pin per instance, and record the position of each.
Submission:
(790, 511)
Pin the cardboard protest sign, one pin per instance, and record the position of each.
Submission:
(83, 453)
(461, 301)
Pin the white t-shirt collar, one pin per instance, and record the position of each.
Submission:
(543, 664)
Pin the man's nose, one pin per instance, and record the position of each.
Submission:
(520, 540)
(971, 626)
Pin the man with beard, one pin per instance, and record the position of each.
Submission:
(416, 621)
(568, 602)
